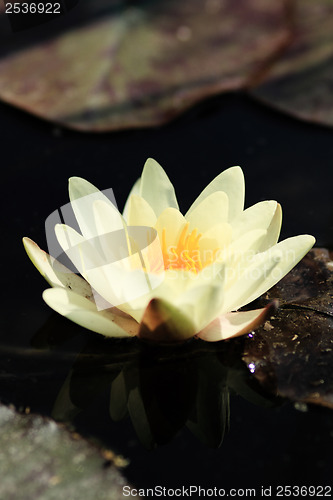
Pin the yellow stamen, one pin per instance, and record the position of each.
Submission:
(186, 253)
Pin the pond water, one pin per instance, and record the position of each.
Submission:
(190, 415)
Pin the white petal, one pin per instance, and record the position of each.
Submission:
(83, 194)
(248, 279)
(135, 190)
(201, 304)
(265, 270)
(259, 216)
(163, 322)
(214, 241)
(211, 211)
(156, 188)
(173, 222)
(54, 272)
(112, 243)
(240, 253)
(80, 251)
(84, 312)
(273, 230)
(196, 297)
(286, 254)
(107, 218)
(231, 182)
(234, 324)
(217, 236)
(140, 212)
(88, 261)
(247, 243)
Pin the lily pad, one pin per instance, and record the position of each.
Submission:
(40, 459)
(300, 82)
(292, 353)
(133, 64)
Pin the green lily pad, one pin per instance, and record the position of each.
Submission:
(122, 64)
(292, 353)
(40, 459)
(300, 81)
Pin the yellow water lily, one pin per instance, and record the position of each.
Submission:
(194, 273)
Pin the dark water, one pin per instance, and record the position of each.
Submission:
(158, 395)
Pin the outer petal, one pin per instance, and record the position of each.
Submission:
(265, 270)
(156, 188)
(245, 245)
(286, 254)
(84, 312)
(54, 272)
(259, 216)
(239, 254)
(196, 298)
(163, 322)
(273, 230)
(235, 324)
(231, 182)
(248, 279)
(88, 261)
(202, 298)
(201, 304)
(117, 281)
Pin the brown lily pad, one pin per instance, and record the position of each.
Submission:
(300, 82)
(143, 64)
(292, 354)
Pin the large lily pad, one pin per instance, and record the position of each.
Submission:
(143, 63)
(300, 82)
(40, 459)
(292, 354)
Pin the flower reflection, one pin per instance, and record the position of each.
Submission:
(161, 389)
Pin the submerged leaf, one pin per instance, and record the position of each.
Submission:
(142, 64)
(300, 82)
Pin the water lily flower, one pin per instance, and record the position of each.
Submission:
(189, 281)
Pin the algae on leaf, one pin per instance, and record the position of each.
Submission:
(292, 353)
(40, 459)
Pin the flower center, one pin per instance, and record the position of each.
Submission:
(186, 253)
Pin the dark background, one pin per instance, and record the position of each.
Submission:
(282, 159)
